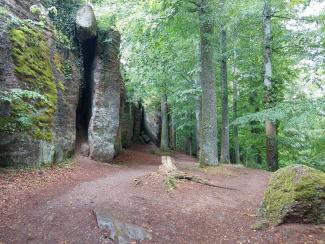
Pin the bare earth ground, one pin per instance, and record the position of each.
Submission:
(55, 205)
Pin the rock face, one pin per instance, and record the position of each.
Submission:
(295, 194)
(86, 23)
(39, 92)
(152, 123)
(127, 124)
(104, 130)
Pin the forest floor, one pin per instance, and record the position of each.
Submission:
(57, 205)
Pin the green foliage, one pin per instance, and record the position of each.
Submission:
(64, 66)
(63, 40)
(4, 11)
(20, 108)
(63, 14)
(35, 10)
(31, 56)
(171, 182)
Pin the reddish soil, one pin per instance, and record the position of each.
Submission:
(55, 205)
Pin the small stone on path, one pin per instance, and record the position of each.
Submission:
(122, 233)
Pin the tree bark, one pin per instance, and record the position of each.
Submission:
(198, 123)
(189, 144)
(174, 132)
(208, 135)
(270, 126)
(225, 158)
(235, 103)
(164, 124)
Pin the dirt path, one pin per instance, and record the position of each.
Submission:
(60, 210)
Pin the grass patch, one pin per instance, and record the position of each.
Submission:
(161, 152)
(225, 170)
(171, 182)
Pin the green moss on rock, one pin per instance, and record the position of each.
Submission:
(295, 194)
(31, 56)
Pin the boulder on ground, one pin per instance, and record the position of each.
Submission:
(295, 194)
(86, 23)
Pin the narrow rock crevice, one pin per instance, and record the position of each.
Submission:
(84, 110)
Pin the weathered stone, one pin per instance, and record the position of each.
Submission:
(50, 138)
(138, 119)
(86, 23)
(145, 138)
(152, 125)
(295, 194)
(120, 232)
(104, 126)
(127, 124)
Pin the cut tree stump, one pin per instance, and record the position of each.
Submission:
(167, 165)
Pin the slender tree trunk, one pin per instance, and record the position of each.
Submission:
(198, 122)
(170, 127)
(270, 127)
(235, 102)
(208, 135)
(225, 158)
(164, 123)
(190, 144)
(173, 132)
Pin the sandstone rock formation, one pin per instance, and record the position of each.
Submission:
(104, 137)
(39, 86)
(48, 106)
(152, 125)
(127, 124)
(86, 23)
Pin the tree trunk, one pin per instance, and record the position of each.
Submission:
(198, 122)
(270, 126)
(164, 123)
(208, 135)
(235, 102)
(225, 158)
(173, 132)
(189, 144)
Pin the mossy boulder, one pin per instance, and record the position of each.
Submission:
(295, 194)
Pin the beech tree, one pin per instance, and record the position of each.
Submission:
(225, 158)
(208, 135)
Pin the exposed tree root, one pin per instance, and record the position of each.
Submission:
(200, 181)
(169, 169)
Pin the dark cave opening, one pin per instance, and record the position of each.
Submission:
(84, 109)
